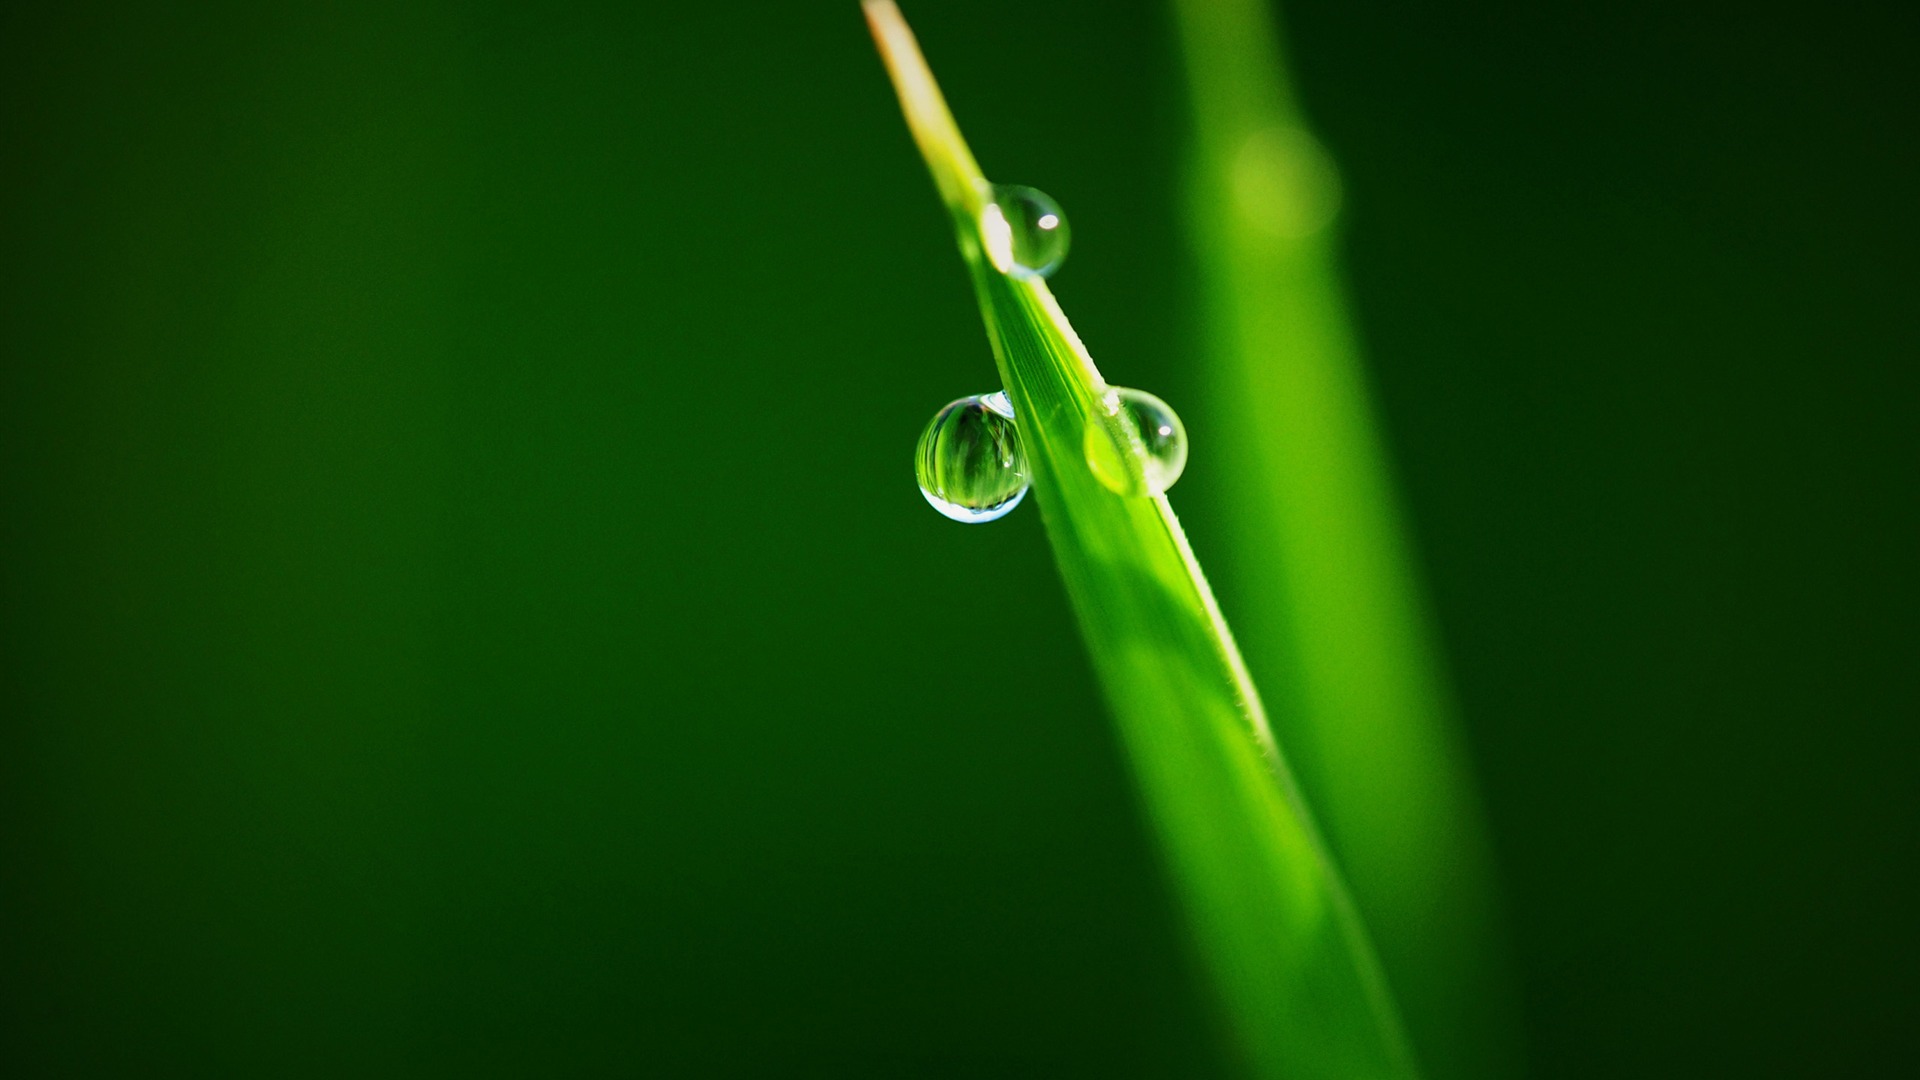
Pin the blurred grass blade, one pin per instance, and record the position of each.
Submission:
(1279, 937)
(1331, 616)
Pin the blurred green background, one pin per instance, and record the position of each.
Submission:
(467, 611)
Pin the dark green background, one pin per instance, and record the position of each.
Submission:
(466, 609)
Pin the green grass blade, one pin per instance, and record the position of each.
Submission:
(1332, 618)
(1275, 929)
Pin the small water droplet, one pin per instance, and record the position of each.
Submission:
(1025, 231)
(1138, 446)
(969, 461)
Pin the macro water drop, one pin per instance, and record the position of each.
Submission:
(1136, 445)
(969, 462)
(1025, 231)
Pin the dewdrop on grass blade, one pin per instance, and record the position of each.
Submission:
(969, 462)
(1135, 445)
(1025, 232)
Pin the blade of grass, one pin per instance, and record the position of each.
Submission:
(1332, 616)
(1287, 955)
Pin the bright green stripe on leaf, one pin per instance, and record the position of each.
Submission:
(1330, 610)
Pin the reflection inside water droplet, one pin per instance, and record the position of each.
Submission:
(1137, 446)
(969, 461)
(1025, 231)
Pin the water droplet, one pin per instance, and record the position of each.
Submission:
(1138, 446)
(1025, 231)
(969, 461)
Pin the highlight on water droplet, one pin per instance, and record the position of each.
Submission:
(1025, 231)
(1137, 446)
(969, 461)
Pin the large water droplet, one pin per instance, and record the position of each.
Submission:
(1137, 446)
(969, 461)
(1025, 231)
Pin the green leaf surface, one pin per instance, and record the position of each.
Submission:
(1293, 971)
(1332, 615)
